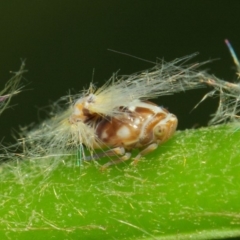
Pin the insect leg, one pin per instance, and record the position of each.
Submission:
(145, 151)
(109, 153)
(115, 151)
(125, 157)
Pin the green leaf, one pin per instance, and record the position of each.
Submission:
(189, 188)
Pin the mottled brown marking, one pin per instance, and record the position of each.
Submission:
(141, 131)
(111, 125)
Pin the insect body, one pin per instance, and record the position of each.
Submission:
(142, 125)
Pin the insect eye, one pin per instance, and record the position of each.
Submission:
(159, 131)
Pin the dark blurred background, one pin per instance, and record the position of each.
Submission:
(64, 41)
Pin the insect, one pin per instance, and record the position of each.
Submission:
(115, 118)
(119, 117)
(141, 125)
